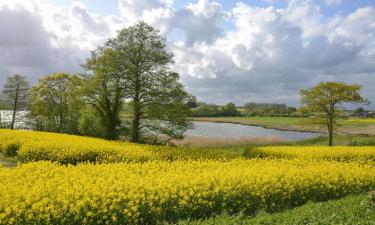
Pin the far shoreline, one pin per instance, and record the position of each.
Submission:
(216, 120)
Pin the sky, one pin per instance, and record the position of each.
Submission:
(225, 51)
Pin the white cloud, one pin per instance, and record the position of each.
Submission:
(244, 54)
(271, 54)
(201, 22)
(333, 2)
(156, 12)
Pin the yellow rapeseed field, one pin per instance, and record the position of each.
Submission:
(70, 149)
(339, 153)
(36, 146)
(160, 191)
(362, 120)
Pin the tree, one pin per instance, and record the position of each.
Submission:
(89, 124)
(204, 110)
(56, 103)
(359, 110)
(104, 91)
(158, 100)
(16, 92)
(327, 98)
(229, 110)
(192, 103)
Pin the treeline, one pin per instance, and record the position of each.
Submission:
(210, 110)
(267, 109)
(249, 109)
(127, 90)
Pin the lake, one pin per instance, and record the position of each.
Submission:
(6, 118)
(229, 130)
(205, 129)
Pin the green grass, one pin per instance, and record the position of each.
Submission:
(8, 161)
(339, 140)
(349, 210)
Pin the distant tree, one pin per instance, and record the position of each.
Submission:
(268, 109)
(16, 92)
(104, 90)
(229, 110)
(290, 110)
(3, 104)
(204, 110)
(192, 103)
(157, 99)
(359, 110)
(56, 103)
(327, 98)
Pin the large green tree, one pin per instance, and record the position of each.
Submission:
(157, 99)
(104, 92)
(16, 92)
(328, 98)
(56, 103)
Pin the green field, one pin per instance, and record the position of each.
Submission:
(348, 210)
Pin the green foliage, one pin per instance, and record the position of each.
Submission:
(89, 125)
(11, 149)
(211, 110)
(3, 104)
(204, 110)
(266, 109)
(359, 110)
(16, 94)
(103, 90)
(327, 98)
(348, 210)
(56, 103)
(158, 100)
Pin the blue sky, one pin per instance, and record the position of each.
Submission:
(105, 7)
(224, 50)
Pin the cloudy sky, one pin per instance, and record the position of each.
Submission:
(225, 50)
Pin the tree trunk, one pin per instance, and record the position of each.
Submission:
(330, 132)
(136, 123)
(137, 112)
(15, 108)
(111, 133)
(330, 138)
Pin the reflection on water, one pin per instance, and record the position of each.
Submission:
(229, 130)
(6, 118)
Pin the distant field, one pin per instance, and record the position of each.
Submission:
(346, 126)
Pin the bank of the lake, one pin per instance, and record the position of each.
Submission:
(346, 126)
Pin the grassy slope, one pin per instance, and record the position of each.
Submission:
(348, 210)
(339, 140)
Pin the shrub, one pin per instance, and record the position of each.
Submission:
(10, 150)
